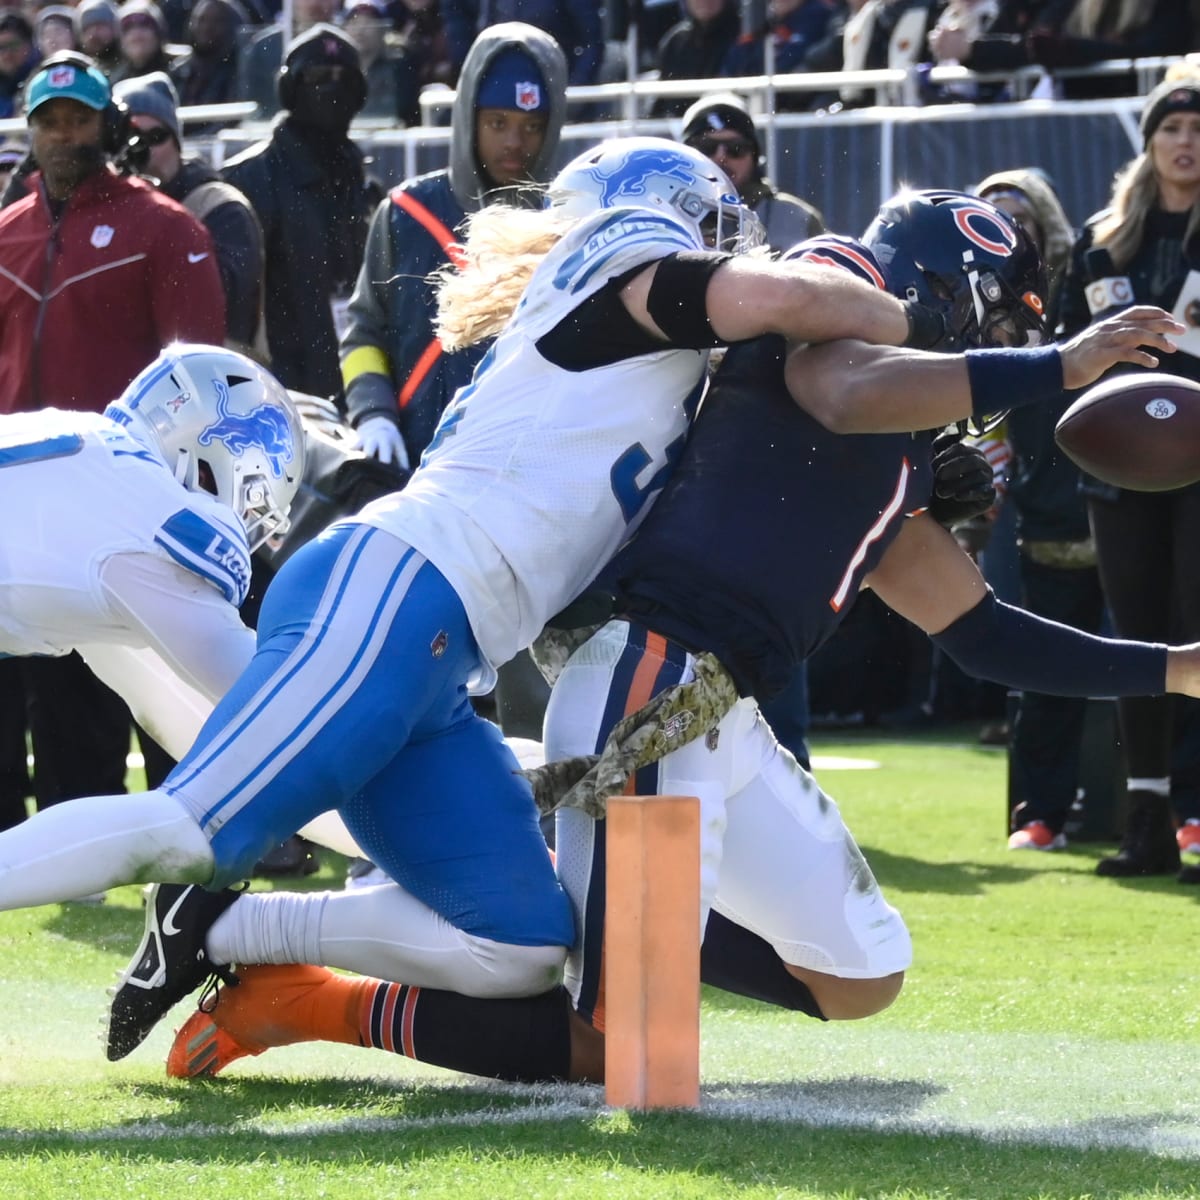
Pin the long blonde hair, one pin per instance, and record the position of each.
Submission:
(503, 248)
(1135, 193)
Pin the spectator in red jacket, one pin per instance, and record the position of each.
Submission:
(99, 270)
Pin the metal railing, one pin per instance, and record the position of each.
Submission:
(630, 101)
(897, 92)
(195, 114)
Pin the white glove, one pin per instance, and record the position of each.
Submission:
(379, 438)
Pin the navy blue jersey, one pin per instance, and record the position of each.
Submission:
(757, 546)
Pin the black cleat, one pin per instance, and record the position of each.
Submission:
(170, 962)
(1149, 846)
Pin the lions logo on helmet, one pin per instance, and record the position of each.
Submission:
(631, 179)
(264, 427)
(660, 175)
(223, 425)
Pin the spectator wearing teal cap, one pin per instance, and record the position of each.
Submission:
(70, 77)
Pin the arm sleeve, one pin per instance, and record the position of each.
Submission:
(1007, 645)
(168, 709)
(182, 619)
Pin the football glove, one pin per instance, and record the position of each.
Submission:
(963, 485)
(379, 438)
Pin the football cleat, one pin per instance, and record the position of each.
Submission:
(170, 962)
(1036, 835)
(1188, 837)
(1149, 846)
(203, 1049)
(273, 1005)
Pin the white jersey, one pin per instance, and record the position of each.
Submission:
(79, 489)
(104, 552)
(537, 473)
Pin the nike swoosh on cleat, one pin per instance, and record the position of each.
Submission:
(195, 258)
(169, 928)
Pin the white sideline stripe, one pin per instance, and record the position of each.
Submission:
(839, 762)
(567, 1102)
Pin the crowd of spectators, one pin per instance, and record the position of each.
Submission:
(287, 220)
(219, 51)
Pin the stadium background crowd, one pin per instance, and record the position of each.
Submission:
(815, 97)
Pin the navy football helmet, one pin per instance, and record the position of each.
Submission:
(834, 250)
(961, 256)
(966, 259)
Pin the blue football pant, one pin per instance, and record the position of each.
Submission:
(356, 700)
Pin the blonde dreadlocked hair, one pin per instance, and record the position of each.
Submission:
(503, 248)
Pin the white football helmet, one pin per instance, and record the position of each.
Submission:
(224, 425)
(655, 173)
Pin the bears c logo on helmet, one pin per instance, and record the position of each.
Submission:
(979, 225)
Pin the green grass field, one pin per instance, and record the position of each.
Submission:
(1046, 1045)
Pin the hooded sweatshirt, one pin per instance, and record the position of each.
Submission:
(392, 364)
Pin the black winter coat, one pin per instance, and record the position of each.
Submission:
(313, 205)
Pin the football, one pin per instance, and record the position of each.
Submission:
(1140, 432)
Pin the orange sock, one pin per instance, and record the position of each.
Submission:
(280, 1005)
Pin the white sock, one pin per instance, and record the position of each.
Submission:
(381, 931)
(1157, 787)
(269, 927)
(89, 845)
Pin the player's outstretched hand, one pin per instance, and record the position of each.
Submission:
(1183, 669)
(1125, 337)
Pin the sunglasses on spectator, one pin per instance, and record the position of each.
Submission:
(738, 148)
(9, 47)
(138, 22)
(154, 137)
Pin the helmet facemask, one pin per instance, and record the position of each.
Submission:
(264, 520)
